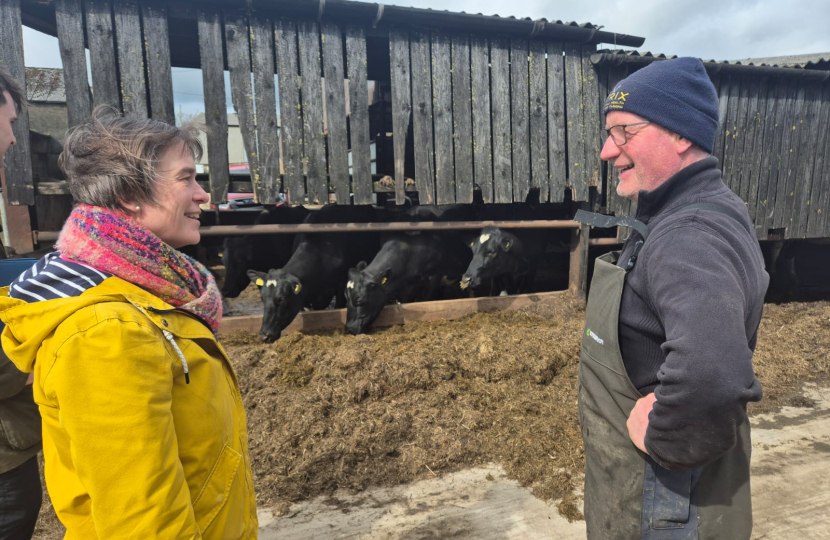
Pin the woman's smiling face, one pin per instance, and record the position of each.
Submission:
(176, 218)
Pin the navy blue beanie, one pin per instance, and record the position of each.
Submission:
(676, 94)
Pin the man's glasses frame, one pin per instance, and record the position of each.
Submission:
(621, 134)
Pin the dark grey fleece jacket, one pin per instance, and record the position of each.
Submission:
(689, 316)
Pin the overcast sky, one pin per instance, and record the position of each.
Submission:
(707, 29)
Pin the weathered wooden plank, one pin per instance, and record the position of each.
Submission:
(397, 314)
(159, 73)
(591, 118)
(520, 118)
(786, 177)
(557, 161)
(19, 189)
(500, 93)
(578, 267)
(615, 202)
(99, 31)
(422, 118)
(359, 114)
(722, 83)
(577, 174)
(239, 64)
(401, 104)
(786, 96)
(442, 117)
(823, 226)
(70, 25)
(314, 139)
(482, 141)
(738, 138)
(819, 192)
(333, 72)
(731, 131)
(216, 115)
(756, 150)
(462, 119)
(763, 158)
(266, 184)
(747, 156)
(291, 127)
(800, 206)
(130, 49)
(537, 67)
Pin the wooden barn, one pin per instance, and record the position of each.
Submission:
(465, 108)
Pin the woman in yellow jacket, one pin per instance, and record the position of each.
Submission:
(143, 425)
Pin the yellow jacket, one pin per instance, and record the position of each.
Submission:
(131, 449)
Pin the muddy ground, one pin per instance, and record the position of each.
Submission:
(329, 411)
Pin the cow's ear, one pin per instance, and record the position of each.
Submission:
(296, 286)
(354, 273)
(257, 277)
(361, 266)
(385, 276)
(506, 244)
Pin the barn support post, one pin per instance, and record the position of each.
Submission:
(17, 182)
(578, 274)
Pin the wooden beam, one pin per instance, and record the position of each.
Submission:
(401, 105)
(19, 186)
(578, 274)
(442, 310)
(70, 29)
(216, 114)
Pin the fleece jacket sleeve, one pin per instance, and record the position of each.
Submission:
(697, 284)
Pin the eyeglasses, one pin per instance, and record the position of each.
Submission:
(619, 134)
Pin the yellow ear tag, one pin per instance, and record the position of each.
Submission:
(296, 288)
(507, 245)
(259, 282)
(472, 244)
(384, 281)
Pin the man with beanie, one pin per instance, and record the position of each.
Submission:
(20, 489)
(672, 321)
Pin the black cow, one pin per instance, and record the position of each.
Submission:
(504, 258)
(258, 252)
(409, 267)
(317, 270)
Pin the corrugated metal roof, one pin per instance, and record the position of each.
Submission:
(806, 61)
(817, 61)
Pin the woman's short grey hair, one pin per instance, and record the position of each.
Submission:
(113, 158)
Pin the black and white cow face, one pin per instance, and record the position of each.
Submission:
(282, 298)
(365, 297)
(491, 257)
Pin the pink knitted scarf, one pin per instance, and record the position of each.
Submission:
(116, 243)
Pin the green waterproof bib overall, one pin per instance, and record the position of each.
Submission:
(627, 494)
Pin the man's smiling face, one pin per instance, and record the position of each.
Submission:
(648, 158)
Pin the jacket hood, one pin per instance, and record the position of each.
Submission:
(29, 324)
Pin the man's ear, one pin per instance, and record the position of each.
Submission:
(257, 277)
(682, 145)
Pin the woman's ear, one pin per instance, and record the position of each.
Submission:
(131, 208)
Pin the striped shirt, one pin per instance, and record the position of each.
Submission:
(52, 277)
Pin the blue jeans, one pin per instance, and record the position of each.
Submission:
(20, 499)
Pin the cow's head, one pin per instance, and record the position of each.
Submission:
(282, 298)
(491, 254)
(366, 294)
(236, 256)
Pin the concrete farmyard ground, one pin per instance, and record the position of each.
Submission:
(790, 488)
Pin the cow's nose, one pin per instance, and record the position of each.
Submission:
(267, 338)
